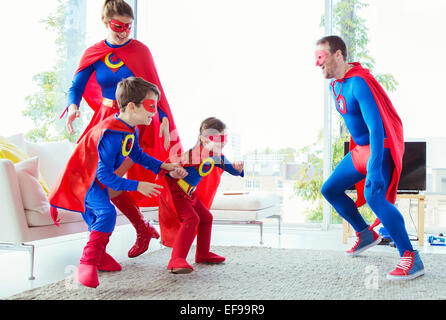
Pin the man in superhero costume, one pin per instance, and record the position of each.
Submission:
(185, 203)
(101, 67)
(375, 158)
(83, 185)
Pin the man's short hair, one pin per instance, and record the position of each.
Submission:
(336, 43)
(134, 89)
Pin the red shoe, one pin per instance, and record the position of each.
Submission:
(153, 231)
(364, 240)
(144, 231)
(179, 266)
(210, 257)
(410, 267)
(87, 275)
(143, 237)
(109, 264)
(87, 272)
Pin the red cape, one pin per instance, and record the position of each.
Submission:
(392, 125)
(79, 173)
(138, 58)
(168, 217)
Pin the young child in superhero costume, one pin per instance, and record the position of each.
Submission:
(185, 203)
(101, 67)
(375, 159)
(83, 186)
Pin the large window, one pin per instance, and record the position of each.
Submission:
(27, 50)
(251, 64)
(407, 45)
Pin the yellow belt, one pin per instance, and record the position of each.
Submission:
(108, 102)
(186, 187)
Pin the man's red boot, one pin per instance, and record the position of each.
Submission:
(144, 231)
(87, 272)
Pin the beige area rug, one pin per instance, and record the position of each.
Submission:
(258, 273)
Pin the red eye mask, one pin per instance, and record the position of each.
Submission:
(149, 105)
(321, 55)
(219, 138)
(118, 26)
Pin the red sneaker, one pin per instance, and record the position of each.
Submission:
(364, 240)
(410, 267)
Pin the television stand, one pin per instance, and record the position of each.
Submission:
(347, 229)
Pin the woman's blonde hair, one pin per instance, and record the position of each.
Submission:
(116, 7)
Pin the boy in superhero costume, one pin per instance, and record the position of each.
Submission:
(83, 186)
(185, 203)
(375, 159)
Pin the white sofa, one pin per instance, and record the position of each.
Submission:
(20, 222)
(239, 208)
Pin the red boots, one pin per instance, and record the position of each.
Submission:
(109, 264)
(209, 257)
(93, 255)
(203, 255)
(196, 220)
(144, 231)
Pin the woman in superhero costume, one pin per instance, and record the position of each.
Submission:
(101, 67)
(185, 203)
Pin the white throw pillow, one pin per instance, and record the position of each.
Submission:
(18, 140)
(33, 195)
(53, 156)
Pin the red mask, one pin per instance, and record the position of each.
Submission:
(149, 105)
(321, 55)
(219, 138)
(118, 26)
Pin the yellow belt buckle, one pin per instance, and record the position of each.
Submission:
(186, 187)
(107, 102)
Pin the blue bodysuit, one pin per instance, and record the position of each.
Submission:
(100, 214)
(356, 104)
(106, 77)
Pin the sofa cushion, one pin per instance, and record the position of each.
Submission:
(33, 195)
(250, 201)
(18, 140)
(53, 157)
(10, 151)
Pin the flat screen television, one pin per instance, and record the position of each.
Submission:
(413, 174)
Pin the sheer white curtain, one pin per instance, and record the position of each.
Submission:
(249, 63)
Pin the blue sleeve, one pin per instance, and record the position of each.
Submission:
(142, 158)
(78, 85)
(109, 149)
(229, 168)
(162, 114)
(373, 120)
